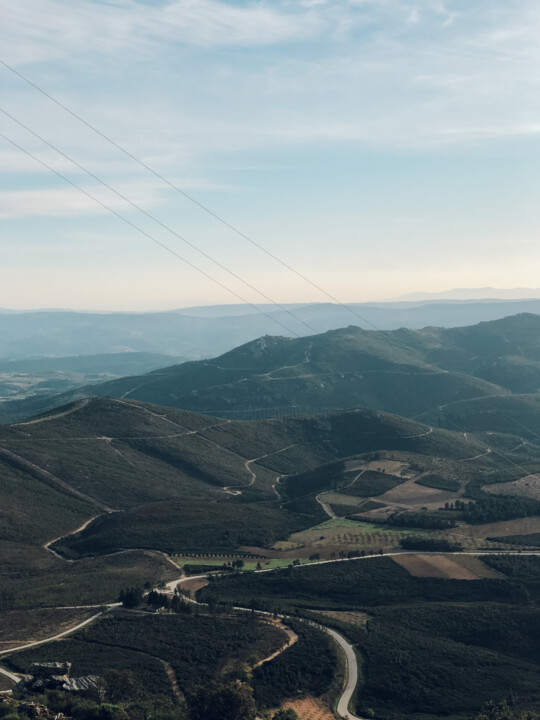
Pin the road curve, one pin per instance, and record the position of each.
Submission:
(50, 639)
(350, 655)
(11, 676)
(352, 665)
(352, 674)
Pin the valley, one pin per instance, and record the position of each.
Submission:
(426, 520)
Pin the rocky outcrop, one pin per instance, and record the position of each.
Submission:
(55, 676)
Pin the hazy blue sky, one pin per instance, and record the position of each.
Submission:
(379, 146)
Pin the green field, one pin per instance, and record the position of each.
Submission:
(249, 565)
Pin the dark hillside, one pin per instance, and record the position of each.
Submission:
(187, 481)
(407, 372)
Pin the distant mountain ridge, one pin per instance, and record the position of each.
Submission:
(406, 372)
(211, 331)
(474, 294)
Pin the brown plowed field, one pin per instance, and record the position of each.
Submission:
(443, 566)
(524, 487)
(521, 526)
(309, 708)
(358, 619)
(411, 495)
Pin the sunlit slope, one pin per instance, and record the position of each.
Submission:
(122, 453)
(163, 478)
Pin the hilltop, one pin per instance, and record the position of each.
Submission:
(406, 372)
(199, 332)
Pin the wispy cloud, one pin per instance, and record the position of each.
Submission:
(210, 74)
(69, 202)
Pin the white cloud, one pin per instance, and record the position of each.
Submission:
(71, 202)
(228, 78)
(44, 30)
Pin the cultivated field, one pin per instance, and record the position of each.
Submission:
(528, 486)
(265, 558)
(520, 526)
(443, 566)
(341, 534)
(392, 467)
(410, 495)
(310, 708)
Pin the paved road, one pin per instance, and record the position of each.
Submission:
(352, 665)
(11, 676)
(352, 675)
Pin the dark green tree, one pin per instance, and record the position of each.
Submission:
(219, 701)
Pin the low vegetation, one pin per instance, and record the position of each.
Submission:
(439, 483)
(355, 584)
(309, 667)
(427, 544)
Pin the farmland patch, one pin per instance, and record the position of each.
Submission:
(440, 566)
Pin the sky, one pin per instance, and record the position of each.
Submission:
(377, 147)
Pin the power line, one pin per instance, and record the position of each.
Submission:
(210, 212)
(496, 452)
(186, 195)
(143, 232)
(173, 252)
(158, 221)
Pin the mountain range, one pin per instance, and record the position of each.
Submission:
(196, 333)
(414, 373)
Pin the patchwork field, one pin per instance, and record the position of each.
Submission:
(528, 486)
(411, 495)
(339, 534)
(443, 566)
(520, 526)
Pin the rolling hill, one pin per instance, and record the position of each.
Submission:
(407, 372)
(164, 479)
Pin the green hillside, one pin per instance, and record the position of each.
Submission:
(174, 480)
(402, 371)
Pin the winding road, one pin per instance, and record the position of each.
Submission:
(350, 655)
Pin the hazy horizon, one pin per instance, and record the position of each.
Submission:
(454, 295)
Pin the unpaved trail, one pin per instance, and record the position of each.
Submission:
(468, 400)
(38, 472)
(78, 406)
(292, 638)
(237, 489)
(54, 637)
(9, 675)
(47, 545)
(179, 695)
(487, 452)
(325, 506)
